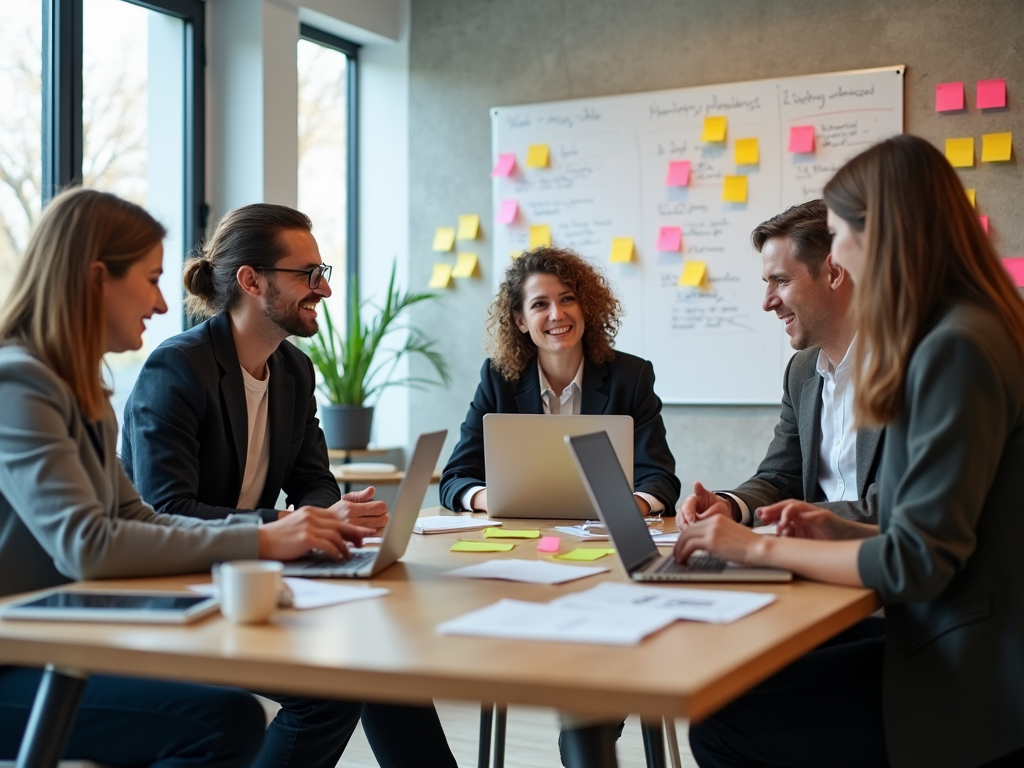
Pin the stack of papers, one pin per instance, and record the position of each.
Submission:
(530, 571)
(714, 606)
(451, 524)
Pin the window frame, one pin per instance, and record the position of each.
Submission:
(351, 51)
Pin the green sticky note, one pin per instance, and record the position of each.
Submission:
(480, 546)
(586, 555)
(501, 533)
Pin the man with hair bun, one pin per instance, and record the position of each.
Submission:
(223, 419)
(817, 454)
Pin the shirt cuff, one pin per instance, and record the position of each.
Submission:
(744, 509)
(467, 497)
(656, 506)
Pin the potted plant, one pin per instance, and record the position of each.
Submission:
(356, 367)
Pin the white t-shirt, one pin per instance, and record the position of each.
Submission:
(257, 457)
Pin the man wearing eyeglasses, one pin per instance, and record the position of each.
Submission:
(223, 418)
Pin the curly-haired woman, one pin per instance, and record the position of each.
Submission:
(552, 331)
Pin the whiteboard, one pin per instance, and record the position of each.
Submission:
(606, 178)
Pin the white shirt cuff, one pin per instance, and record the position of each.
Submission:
(467, 497)
(656, 506)
(744, 509)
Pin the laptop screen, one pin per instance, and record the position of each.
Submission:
(612, 497)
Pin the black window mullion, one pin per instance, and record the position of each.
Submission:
(62, 95)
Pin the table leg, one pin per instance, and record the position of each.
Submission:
(500, 718)
(654, 743)
(53, 714)
(591, 746)
(486, 717)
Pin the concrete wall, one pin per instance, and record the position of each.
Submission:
(469, 55)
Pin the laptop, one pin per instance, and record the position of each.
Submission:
(530, 472)
(367, 562)
(612, 498)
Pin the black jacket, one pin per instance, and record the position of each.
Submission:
(623, 387)
(185, 431)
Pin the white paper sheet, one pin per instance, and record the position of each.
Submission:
(709, 605)
(580, 532)
(310, 593)
(451, 524)
(768, 530)
(531, 571)
(665, 539)
(520, 620)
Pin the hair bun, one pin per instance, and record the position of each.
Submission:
(197, 276)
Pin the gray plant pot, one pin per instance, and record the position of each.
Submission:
(346, 426)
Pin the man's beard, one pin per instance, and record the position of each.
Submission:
(288, 317)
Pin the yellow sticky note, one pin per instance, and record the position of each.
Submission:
(465, 266)
(972, 197)
(586, 555)
(480, 546)
(622, 250)
(747, 152)
(444, 238)
(714, 129)
(501, 533)
(441, 277)
(469, 226)
(695, 274)
(734, 190)
(540, 236)
(537, 156)
(995, 147)
(960, 152)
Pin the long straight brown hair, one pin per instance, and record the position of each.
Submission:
(54, 309)
(925, 251)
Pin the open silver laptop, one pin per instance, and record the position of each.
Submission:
(530, 472)
(613, 501)
(367, 562)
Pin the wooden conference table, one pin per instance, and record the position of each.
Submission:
(387, 648)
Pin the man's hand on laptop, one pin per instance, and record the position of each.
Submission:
(720, 537)
(359, 508)
(309, 528)
(703, 504)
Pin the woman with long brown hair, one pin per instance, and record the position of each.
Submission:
(941, 365)
(85, 286)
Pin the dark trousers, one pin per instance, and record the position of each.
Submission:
(312, 733)
(129, 722)
(823, 709)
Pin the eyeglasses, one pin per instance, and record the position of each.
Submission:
(313, 276)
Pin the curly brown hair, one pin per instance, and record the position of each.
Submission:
(512, 350)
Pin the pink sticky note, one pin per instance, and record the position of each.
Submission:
(507, 211)
(1015, 266)
(552, 543)
(678, 174)
(949, 96)
(991, 93)
(670, 239)
(984, 223)
(801, 138)
(506, 162)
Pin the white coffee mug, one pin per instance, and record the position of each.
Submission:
(249, 589)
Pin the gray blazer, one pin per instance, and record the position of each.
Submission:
(790, 468)
(948, 560)
(67, 510)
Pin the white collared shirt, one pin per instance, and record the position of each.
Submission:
(837, 454)
(570, 402)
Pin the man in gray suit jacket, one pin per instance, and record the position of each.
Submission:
(816, 455)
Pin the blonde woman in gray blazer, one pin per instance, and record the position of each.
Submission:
(86, 285)
(941, 327)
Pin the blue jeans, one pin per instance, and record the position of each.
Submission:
(124, 721)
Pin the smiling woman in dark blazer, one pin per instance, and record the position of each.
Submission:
(942, 330)
(552, 330)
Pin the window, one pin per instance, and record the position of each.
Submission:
(326, 152)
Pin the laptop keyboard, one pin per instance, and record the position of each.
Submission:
(360, 557)
(698, 562)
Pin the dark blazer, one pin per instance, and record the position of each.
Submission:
(790, 468)
(947, 562)
(623, 387)
(186, 426)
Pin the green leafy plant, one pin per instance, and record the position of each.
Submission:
(350, 372)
